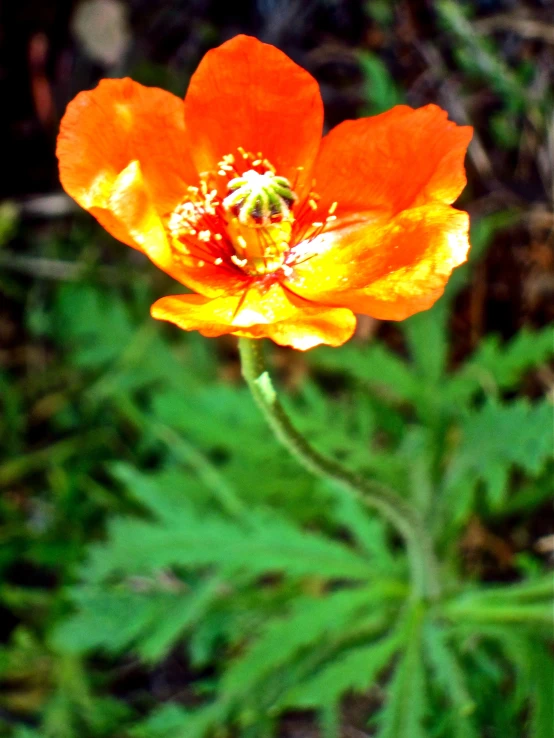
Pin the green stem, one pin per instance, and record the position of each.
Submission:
(372, 494)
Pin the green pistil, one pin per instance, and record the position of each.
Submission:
(259, 199)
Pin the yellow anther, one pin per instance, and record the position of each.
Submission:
(239, 262)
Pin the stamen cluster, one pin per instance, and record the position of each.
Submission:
(246, 217)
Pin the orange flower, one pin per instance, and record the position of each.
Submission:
(234, 193)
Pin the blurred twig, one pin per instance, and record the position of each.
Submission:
(53, 205)
(57, 269)
(524, 27)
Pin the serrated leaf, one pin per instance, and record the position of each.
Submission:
(102, 620)
(82, 312)
(312, 621)
(533, 668)
(375, 364)
(354, 670)
(495, 366)
(267, 544)
(368, 531)
(161, 493)
(406, 703)
(450, 678)
(497, 438)
(183, 613)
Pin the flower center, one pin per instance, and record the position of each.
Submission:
(243, 217)
(260, 224)
(259, 199)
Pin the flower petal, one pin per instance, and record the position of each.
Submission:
(389, 269)
(120, 121)
(124, 207)
(329, 326)
(400, 159)
(126, 203)
(246, 93)
(258, 313)
(124, 157)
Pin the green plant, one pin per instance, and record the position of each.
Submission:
(293, 594)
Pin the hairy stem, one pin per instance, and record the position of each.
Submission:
(372, 494)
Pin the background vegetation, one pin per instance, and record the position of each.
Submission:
(166, 571)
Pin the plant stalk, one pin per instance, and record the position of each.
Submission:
(402, 516)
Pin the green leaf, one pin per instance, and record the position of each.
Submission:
(82, 314)
(451, 680)
(533, 669)
(164, 722)
(173, 721)
(427, 341)
(102, 620)
(316, 622)
(496, 438)
(541, 692)
(354, 670)
(495, 366)
(266, 544)
(373, 364)
(406, 703)
(478, 610)
(381, 90)
(369, 532)
(541, 588)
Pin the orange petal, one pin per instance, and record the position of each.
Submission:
(259, 313)
(329, 326)
(124, 157)
(127, 203)
(246, 93)
(118, 122)
(400, 159)
(388, 269)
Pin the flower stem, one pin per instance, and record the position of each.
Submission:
(394, 508)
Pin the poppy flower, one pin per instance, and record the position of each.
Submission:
(277, 231)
